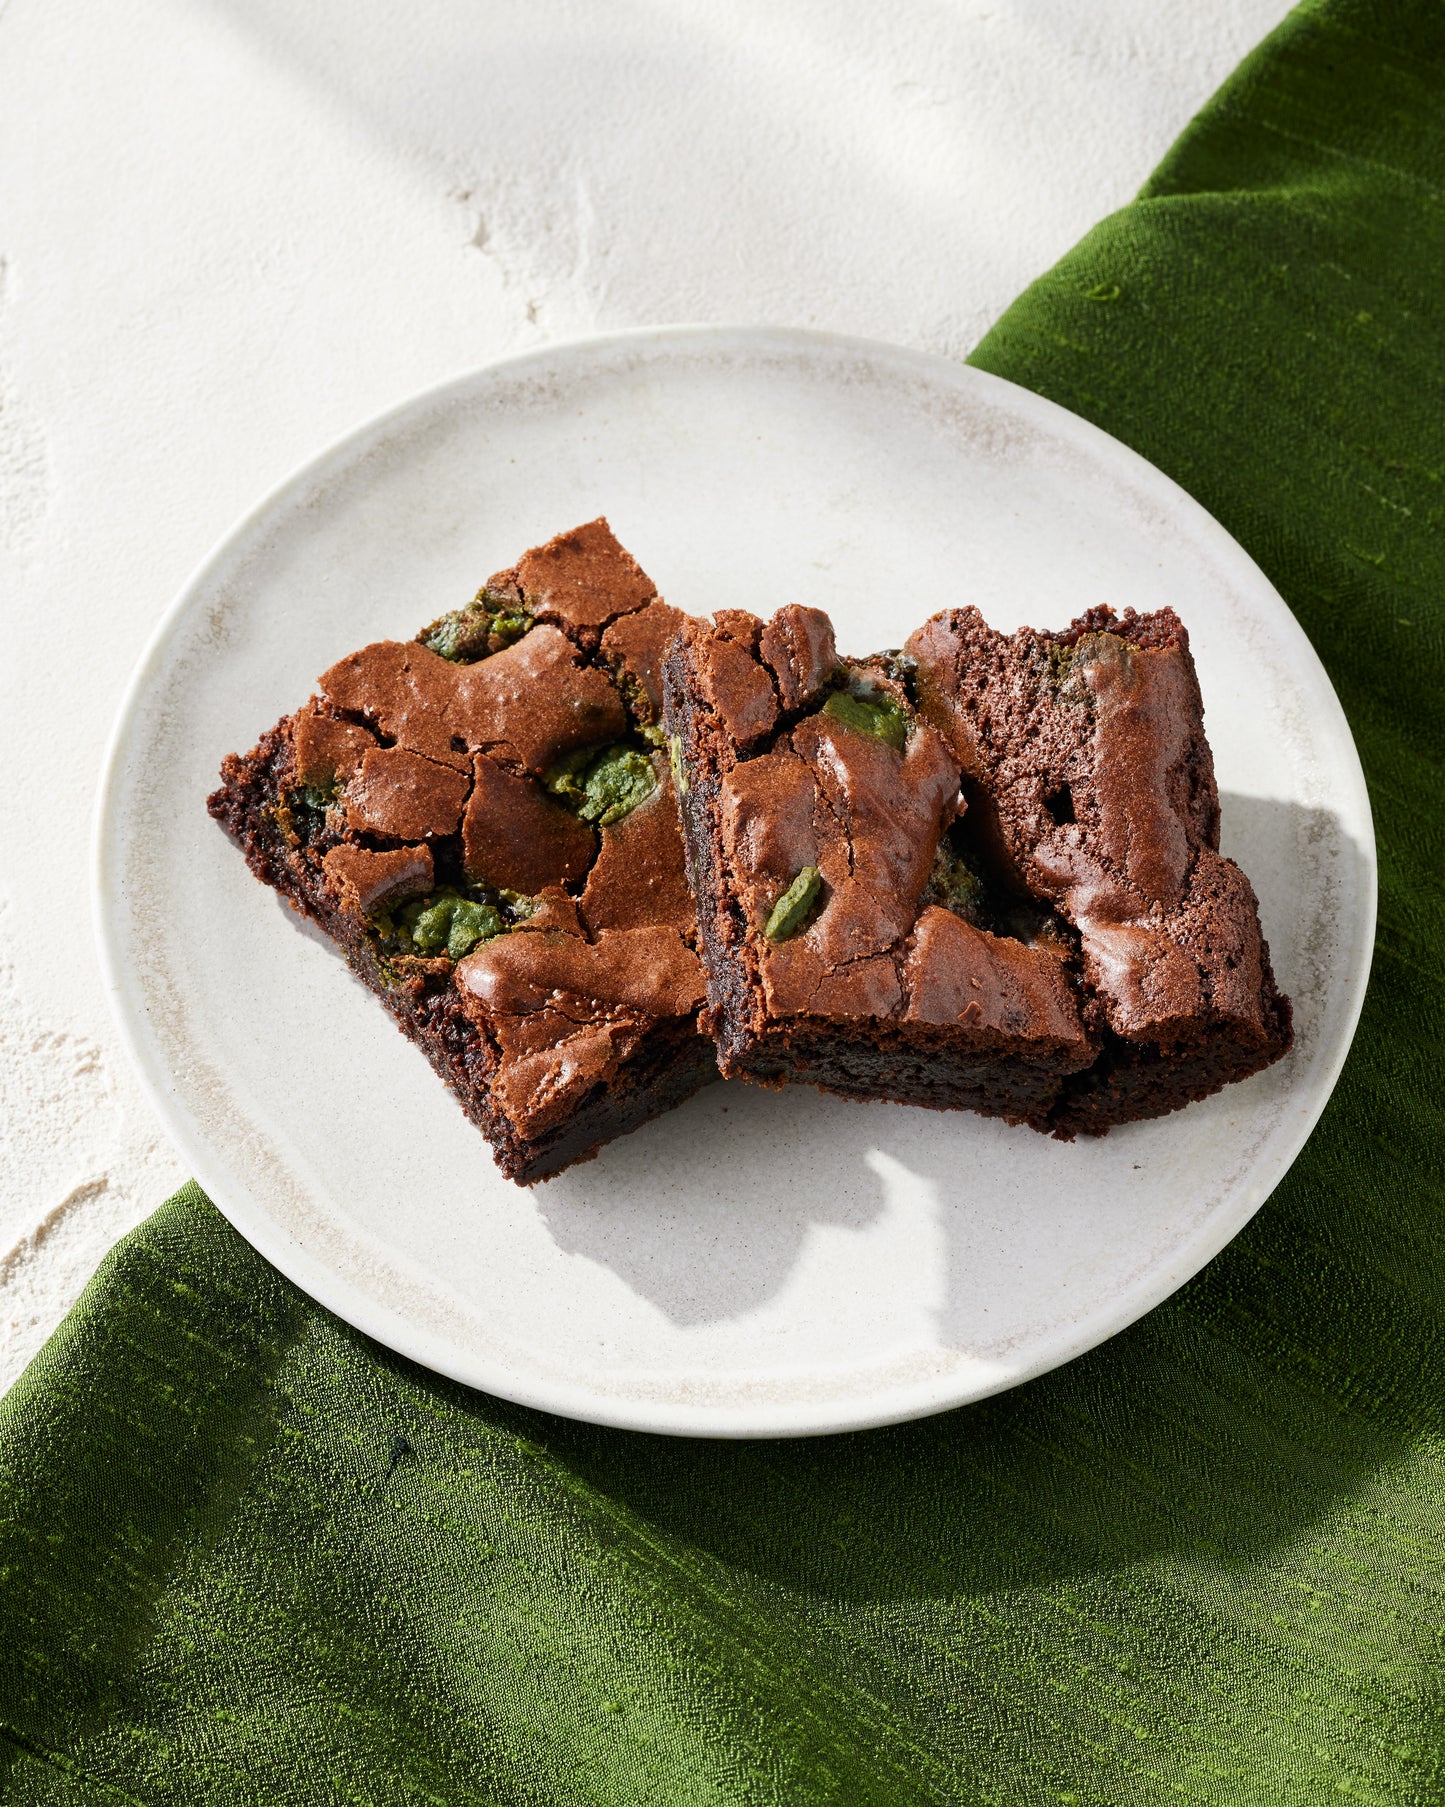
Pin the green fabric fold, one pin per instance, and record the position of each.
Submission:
(247, 1556)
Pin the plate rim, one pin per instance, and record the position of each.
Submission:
(756, 1419)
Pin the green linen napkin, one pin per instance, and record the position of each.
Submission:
(246, 1556)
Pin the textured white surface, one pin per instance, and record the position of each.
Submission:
(229, 231)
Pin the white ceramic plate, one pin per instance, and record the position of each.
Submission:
(757, 1263)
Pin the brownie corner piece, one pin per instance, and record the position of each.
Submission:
(483, 821)
(849, 937)
(1087, 771)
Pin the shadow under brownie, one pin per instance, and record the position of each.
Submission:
(482, 820)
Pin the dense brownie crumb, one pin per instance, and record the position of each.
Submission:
(1089, 777)
(844, 945)
(482, 820)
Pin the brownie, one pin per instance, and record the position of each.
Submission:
(849, 937)
(483, 820)
(1090, 788)
(982, 873)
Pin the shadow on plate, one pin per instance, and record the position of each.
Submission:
(687, 1257)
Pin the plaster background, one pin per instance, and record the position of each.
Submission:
(232, 229)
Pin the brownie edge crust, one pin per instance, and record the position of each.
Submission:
(482, 822)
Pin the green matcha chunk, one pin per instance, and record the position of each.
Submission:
(442, 922)
(462, 635)
(485, 625)
(616, 782)
(879, 716)
(604, 786)
(510, 626)
(430, 925)
(564, 779)
(471, 923)
(792, 909)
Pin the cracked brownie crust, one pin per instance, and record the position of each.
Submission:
(818, 811)
(482, 821)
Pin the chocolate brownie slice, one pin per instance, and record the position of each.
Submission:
(1090, 786)
(483, 821)
(849, 937)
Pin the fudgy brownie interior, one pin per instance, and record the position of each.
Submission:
(1091, 786)
(483, 820)
(850, 938)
